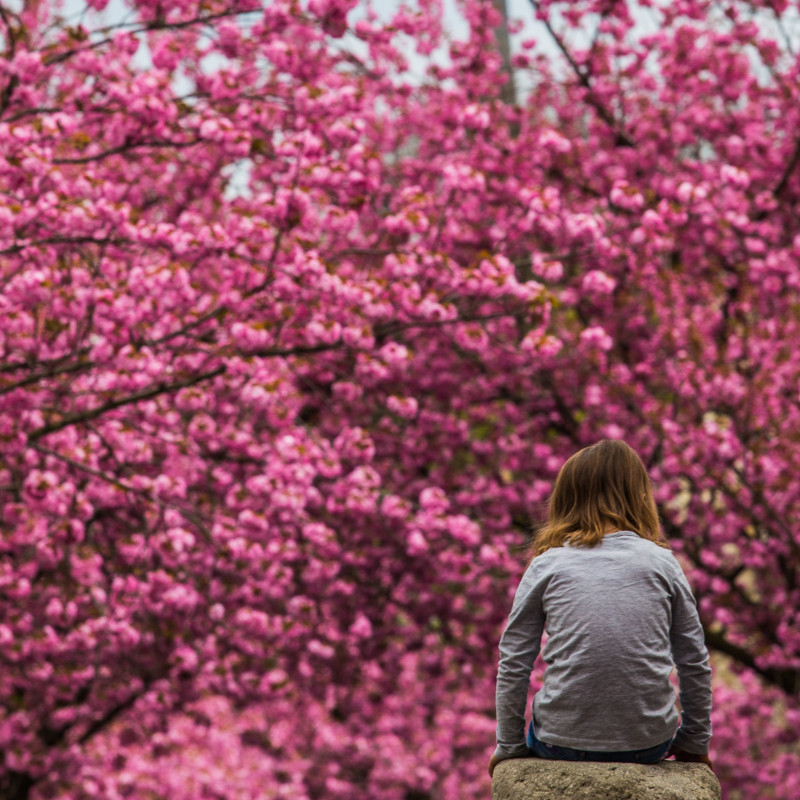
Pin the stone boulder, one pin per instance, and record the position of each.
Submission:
(543, 779)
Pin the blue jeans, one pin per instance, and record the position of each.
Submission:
(540, 749)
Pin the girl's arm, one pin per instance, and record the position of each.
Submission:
(519, 646)
(694, 673)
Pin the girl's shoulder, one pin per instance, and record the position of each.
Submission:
(622, 545)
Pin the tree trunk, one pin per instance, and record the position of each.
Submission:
(508, 93)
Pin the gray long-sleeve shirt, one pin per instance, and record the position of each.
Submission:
(617, 616)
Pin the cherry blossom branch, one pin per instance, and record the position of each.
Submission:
(146, 394)
(126, 148)
(623, 139)
(36, 377)
(788, 680)
(137, 28)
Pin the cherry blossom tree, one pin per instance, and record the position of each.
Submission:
(302, 311)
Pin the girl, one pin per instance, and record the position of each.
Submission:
(618, 612)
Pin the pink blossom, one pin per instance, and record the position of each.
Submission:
(598, 282)
(416, 543)
(626, 196)
(362, 628)
(597, 337)
(403, 406)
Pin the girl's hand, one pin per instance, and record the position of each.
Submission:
(693, 758)
(493, 762)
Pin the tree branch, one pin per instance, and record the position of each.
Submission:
(38, 376)
(136, 28)
(17, 248)
(146, 394)
(114, 712)
(783, 183)
(623, 139)
(125, 148)
(784, 678)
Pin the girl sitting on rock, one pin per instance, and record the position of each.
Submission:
(618, 614)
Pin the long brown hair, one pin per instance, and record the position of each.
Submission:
(601, 487)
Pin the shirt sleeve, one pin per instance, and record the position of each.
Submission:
(694, 673)
(519, 646)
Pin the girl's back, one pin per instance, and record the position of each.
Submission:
(609, 610)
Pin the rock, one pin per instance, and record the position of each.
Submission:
(543, 779)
